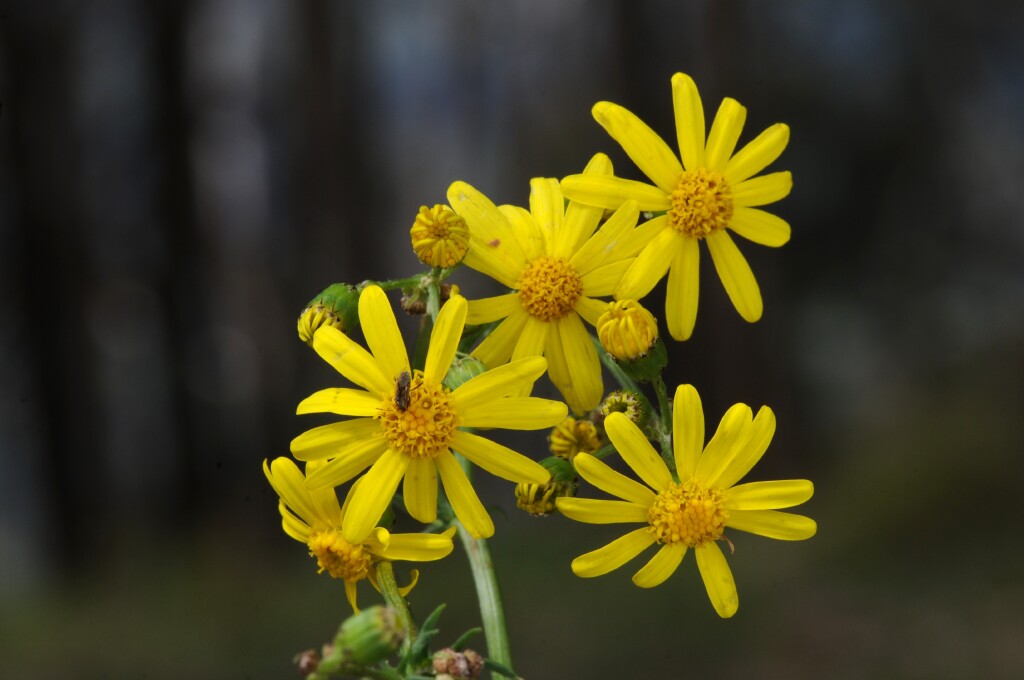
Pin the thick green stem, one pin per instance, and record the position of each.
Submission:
(492, 614)
(389, 589)
(664, 429)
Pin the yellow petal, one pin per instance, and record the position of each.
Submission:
(331, 440)
(594, 511)
(606, 245)
(783, 526)
(353, 460)
(585, 387)
(499, 460)
(682, 291)
(532, 339)
(732, 431)
(418, 547)
(590, 309)
(725, 132)
(381, 332)
(738, 280)
(762, 190)
(746, 453)
(491, 309)
(661, 566)
(687, 430)
(351, 360)
(466, 504)
(617, 484)
(514, 413)
(638, 453)
(760, 227)
(580, 220)
(350, 595)
(718, 581)
(558, 366)
(373, 496)
(497, 347)
(292, 525)
(547, 206)
(649, 266)
(341, 400)
(773, 495)
(498, 382)
(493, 249)
(610, 192)
(647, 150)
(613, 555)
(689, 114)
(290, 484)
(757, 154)
(527, 232)
(419, 490)
(444, 338)
(603, 280)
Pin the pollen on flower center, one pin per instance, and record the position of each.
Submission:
(549, 288)
(687, 513)
(421, 425)
(338, 557)
(701, 203)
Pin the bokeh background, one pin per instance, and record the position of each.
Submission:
(178, 179)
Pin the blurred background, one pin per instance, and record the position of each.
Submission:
(179, 179)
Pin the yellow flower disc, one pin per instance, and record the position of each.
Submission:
(687, 513)
(439, 236)
(426, 424)
(701, 203)
(627, 330)
(338, 557)
(549, 288)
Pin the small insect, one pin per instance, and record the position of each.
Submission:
(402, 390)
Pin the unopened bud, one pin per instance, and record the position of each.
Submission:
(629, 333)
(337, 306)
(465, 665)
(439, 237)
(365, 638)
(463, 369)
(626, 402)
(539, 499)
(573, 436)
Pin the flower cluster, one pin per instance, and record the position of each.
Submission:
(576, 262)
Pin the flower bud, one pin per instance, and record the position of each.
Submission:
(627, 402)
(463, 369)
(465, 665)
(629, 333)
(364, 639)
(572, 436)
(439, 237)
(539, 499)
(337, 305)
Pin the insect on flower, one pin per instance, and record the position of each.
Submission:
(402, 383)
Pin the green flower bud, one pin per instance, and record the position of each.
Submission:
(366, 638)
(337, 305)
(463, 369)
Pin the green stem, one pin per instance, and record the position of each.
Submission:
(492, 613)
(389, 589)
(664, 428)
(625, 382)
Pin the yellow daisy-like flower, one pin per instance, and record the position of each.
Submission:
(407, 422)
(710, 190)
(313, 517)
(694, 511)
(556, 265)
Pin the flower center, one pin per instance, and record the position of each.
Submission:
(687, 513)
(549, 288)
(418, 420)
(338, 557)
(701, 203)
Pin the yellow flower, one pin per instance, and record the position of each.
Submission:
(555, 264)
(694, 511)
(439, 237)
(572, 436)
(710, 190)
(627, 330)
(314, 517)
(407, 422)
